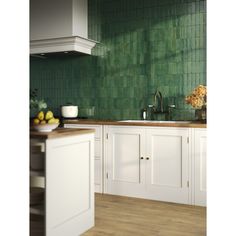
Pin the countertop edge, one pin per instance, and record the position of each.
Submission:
(120, 123)
(60, 133)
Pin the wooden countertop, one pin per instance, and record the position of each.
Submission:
(192, 124)
(59, 132)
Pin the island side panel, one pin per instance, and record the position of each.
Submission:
(69, 185)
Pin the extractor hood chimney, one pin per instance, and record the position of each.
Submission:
(59, 26)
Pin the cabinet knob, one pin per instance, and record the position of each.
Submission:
(147, 158)
(141, 158)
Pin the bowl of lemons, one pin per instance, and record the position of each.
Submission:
(45, 122)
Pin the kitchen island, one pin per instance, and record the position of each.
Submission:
(62, 168)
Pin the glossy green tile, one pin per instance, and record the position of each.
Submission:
(148, 45)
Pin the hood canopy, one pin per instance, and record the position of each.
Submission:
(59, 26)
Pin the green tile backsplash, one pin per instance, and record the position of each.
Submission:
(144, 45)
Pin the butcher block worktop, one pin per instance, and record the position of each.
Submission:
(192, 124)
(58, 133)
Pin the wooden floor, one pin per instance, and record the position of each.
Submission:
(123, 216)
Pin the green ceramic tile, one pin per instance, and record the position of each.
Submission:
(143, 46)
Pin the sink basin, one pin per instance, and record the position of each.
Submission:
(157, 121)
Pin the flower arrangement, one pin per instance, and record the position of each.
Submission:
(198, 97)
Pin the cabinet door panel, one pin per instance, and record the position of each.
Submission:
(126, 157)
(200, 151)
(167, 167)
(125, 168)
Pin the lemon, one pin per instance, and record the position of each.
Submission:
(43, 122)
(51, 121)
(36, 121)
(49, 115)
(40, 115)
(57, 121)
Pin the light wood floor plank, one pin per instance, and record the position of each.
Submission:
(124, 216)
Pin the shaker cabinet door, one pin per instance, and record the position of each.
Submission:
(125, 167)
(167, 164)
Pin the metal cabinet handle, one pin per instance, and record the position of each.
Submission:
(147, 158)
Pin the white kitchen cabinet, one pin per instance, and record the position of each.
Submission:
(68, 206)
(167, 164)
(199, 166)
(175, 170)
(98, 153)
(150, 163)
(125, 167)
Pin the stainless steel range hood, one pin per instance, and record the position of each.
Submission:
(59, 26)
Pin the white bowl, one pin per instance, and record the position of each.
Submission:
(45, 127)
(69, 111)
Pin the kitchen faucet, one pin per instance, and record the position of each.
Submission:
(155, 107)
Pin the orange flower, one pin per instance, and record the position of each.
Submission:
(198, 97)
(200, 91)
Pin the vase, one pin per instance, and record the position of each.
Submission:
(201, 114)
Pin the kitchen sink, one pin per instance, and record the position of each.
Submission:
(157, 121)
